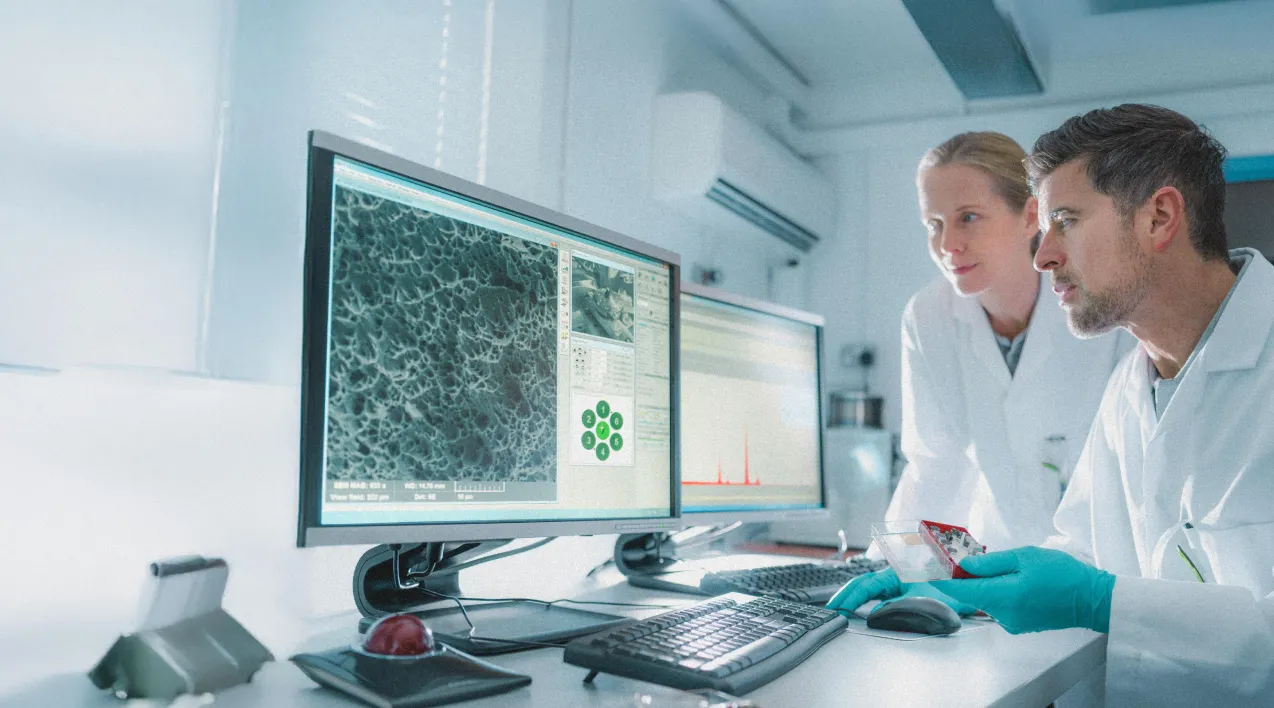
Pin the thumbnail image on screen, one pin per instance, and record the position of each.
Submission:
(602, 299)
(750, 430)
(482, 366)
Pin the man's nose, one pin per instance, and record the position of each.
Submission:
(1049, 256)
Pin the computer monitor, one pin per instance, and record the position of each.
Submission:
(751, 410)
(475, 366)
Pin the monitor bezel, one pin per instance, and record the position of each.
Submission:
(708, 518)
(323, 147)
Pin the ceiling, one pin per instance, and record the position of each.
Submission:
(855, 62)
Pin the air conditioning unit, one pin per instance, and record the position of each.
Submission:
(727, 173)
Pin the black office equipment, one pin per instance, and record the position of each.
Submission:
(733, 643)
(811, 583)
(444, 676)
(921, 615)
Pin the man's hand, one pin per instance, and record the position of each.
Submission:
(884, 585)
(1033, 589)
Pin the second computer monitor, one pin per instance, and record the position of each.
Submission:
(751, 434)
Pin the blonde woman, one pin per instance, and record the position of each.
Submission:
(997, 394)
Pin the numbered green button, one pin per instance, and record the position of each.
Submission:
(603, 430)
(616, 421)
(589, 440)
(616, 441)
(603, 409)
(590, 418)
(603, 451)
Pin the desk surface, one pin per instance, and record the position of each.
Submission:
(992, 668)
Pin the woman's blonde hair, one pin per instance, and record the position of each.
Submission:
(995, 154)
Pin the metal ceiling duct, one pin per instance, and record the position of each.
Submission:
(978, 45)
(1102, 7)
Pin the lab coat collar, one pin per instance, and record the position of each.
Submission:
(979, 338)
(1047, 324)
(1244, 327)
(1039, 333)
(1236, 342)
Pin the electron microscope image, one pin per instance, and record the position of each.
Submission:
(443, 359)
(601, 300)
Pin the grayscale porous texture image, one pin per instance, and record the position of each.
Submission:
(601, 300)
(443, 361)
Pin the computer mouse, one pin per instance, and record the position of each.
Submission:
(922, 615)
(399, 635)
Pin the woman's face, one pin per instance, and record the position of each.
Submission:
(977, 240)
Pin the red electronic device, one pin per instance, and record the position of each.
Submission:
(951, 544)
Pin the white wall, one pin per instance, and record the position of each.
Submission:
(108, 117)
(402, 76)
(863, 282)
(125, 168)
(623, 53)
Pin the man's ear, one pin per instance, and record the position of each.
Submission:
(1165, 217)
(1031, 212)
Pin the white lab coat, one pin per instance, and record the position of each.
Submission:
(1209, 461)
(973, 435)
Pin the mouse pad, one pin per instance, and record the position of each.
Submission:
(445, 676)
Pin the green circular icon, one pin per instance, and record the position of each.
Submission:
(616, 441)
(589, 440)
(603, 451)
(590, 418)
(603, 409)
(603, 430)
(616, 421)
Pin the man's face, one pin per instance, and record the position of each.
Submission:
(1099, 269)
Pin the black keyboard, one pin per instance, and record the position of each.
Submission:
(805, 582)
(733, 643)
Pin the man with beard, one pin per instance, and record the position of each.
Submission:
(1166, 533)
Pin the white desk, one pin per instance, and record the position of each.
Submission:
(987, 667)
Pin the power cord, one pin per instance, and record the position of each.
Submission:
(473, 635)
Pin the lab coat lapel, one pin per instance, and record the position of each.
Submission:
(980, 340)
(1169, 483)
(1045, 326)
(1136, 447)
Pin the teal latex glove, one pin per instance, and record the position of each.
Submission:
(1033, 589)
(884, 585)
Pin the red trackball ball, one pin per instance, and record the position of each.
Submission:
(399, 635)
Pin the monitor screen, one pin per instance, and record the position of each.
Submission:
(750, 408)
(475, 360)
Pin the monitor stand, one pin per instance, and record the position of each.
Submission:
(407, 577)
(648, 560)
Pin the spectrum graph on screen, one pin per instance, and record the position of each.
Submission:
(721, 481)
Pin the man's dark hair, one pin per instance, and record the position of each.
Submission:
(1130, 151)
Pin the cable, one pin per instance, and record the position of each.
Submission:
(473, 629)
(495, 556)
(473, 635)
(550, 603)
(599, 566)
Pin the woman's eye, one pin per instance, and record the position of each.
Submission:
(969, 218)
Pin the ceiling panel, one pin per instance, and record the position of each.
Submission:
(837, 41)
